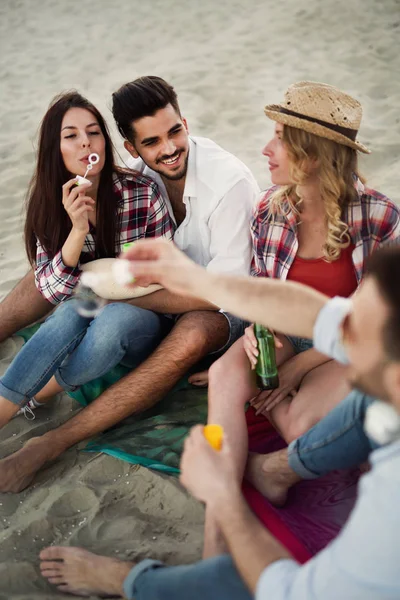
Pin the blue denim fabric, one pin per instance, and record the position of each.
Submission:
(213, 579)
(77, 349)
(338, 441)
(300, 344)
(236, 331)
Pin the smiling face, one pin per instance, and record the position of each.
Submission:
(162, 142)
(80, 136)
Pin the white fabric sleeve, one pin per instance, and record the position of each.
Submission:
(327, 328)
(230, 244)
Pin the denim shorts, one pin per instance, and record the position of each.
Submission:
(236, 330)
(300, 344)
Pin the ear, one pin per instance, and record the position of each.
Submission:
(391, 378)
(131, 149)
(185, 124)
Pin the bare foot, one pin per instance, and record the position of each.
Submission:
(271, 475)
(77, 571)
(19, 469)
(199, 379)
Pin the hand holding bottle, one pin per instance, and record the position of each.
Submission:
(251, 347)
(291, 374)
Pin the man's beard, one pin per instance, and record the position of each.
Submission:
(175, 176)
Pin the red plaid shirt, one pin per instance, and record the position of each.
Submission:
(373, 220)
(142, 212)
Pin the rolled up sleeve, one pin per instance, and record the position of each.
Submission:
(53, 278)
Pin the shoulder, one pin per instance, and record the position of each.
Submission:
(218, 168)
(262, 210)
(134, 182)
(380, 210)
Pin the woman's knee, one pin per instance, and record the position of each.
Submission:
(66, 317)
(124, 322)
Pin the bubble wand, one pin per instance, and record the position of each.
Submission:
(93, 160)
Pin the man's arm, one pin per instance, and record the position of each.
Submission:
(287, 307)
(211, 477)
(252, 547)
(164, 301)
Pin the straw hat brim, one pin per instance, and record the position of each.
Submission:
(273, 112)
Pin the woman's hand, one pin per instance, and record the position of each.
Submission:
(250, 345)
(77, 204)
(291, 374)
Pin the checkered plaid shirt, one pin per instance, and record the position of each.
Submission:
(373, 221)
(142, 212)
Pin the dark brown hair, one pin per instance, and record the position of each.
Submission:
(46, 219)
(141, 98)
(384, 267)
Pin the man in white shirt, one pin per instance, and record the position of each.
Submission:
(362, 562)
(211, 196)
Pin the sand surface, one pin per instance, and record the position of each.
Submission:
(226, 59)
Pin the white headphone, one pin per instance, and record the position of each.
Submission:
(382, 422)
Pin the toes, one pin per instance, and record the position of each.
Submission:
(52, 553)
(58, 580)
(67, 589)
(46, 565)
(59, 552)
(51, 573)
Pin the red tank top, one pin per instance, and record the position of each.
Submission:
(337, 278)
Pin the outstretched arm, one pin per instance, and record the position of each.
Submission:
(288, 307)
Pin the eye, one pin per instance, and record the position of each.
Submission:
(72, 135)
(94, 132)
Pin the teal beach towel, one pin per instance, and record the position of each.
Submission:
(153, 438)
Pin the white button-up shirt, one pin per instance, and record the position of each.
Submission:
(220, 194)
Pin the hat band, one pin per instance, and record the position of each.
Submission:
(346, 131)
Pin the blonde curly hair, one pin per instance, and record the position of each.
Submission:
(337, 168)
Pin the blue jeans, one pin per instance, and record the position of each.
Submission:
(77, 349)
(213, 579)
(338, 441)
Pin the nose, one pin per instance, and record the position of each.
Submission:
(85, 140)
(267, 150)
(169, 147)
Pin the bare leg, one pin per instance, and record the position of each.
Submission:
(77, 571)
(271, 475)
(7, 410)
(23, 305)
(49, 391)
(195, 335)
(231, 385)
(320, 391)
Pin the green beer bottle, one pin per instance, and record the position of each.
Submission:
(266, 369)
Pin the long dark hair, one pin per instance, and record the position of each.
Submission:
(46, 219)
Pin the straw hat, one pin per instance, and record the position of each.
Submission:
(320, 109)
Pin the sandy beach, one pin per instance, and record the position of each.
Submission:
(226, 59)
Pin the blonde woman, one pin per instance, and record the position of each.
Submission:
(317, 225)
